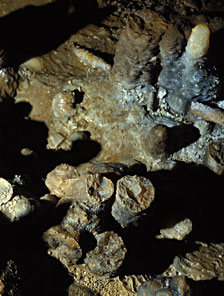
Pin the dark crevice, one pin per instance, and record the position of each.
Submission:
(79, 96)
(108, 58)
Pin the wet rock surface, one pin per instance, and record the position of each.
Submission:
(111, 163)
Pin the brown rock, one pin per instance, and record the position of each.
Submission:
(165, 287)
(60, 181)
(134, 195)
(178, 231)
(134, 61)
(215, 158)
(172, 44)
(157, 141)
(108, 255)
(204, 264)
(78, 290)
(62, 245)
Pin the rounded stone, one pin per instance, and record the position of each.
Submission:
(6, 191)
(108, 255)
(134, 195)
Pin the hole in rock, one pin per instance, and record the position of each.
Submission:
(79, 96)
(87, 243)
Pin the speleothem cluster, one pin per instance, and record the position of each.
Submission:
(129, 114)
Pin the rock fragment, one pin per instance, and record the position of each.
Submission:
(60, 181)
(78, 290)
(157, 141)
(134, 195)
(215, 157)
(176, 286)
(179, 231)
(204, 264)
(214, 115)
(108, 256)
(6, 191)
(19, 207)
(79, 216)
(88, 196)
(62, 245)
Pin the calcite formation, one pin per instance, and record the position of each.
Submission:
(165, 287)
(135, 61)
(62, 245)
(16, 207)
(107, 123)
(187, 78)
(108, 255)
(134, 195)
(198, 42)
(206, 263)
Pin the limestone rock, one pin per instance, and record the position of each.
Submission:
(6, 191)
(63, 245)
(108, 255)
(134, 61)
(134, 195)
(60, 181)
(204, 264)
(176, 286)
(179, 231)
(214, 158)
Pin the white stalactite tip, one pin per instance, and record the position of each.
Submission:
(198, 42)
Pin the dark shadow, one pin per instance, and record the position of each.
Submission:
(18, 133)
(188, 191)
(206, 288)
(181, 136)
(36, 30)
(216, 55)
(39, 273)
(22, 242)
